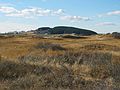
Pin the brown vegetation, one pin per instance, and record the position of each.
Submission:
(28, 63)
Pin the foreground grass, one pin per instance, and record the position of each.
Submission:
(35, 63)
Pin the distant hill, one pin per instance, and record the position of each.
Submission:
(63, 30)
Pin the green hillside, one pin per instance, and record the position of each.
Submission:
(64, 30)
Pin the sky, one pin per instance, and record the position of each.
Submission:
(102, 16)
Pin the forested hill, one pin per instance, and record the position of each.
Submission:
(64, 30)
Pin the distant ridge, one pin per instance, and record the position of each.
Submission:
(63, 30)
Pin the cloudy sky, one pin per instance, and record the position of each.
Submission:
(101, 16)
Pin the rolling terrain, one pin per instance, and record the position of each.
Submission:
(59, 62)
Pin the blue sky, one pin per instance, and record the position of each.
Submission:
(102, 16)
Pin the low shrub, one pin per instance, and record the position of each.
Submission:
(116, 35)
(24, 76)
(100, 72)
(46, 46)
(11, 70)
(85, 57)
(72, 57)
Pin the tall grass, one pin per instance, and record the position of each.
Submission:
(50, 66)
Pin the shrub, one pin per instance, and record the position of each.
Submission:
(100, 71)
(12, 70)
(24, 76)
(83, 57)
(115, 72)
(46, 45)
(116, 35)
(30, 58)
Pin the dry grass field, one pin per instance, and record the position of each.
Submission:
(59, 63)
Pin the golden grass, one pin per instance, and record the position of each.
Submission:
(85, 64)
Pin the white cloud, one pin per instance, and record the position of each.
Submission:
(75, 18)
(6, 10)
(114, 13)
(43, 12)
(59, 12)
(38, 12)
(106, 24)
(29, 12)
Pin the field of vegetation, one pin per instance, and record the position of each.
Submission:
(59, 62)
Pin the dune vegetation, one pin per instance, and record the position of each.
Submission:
(54, 62)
